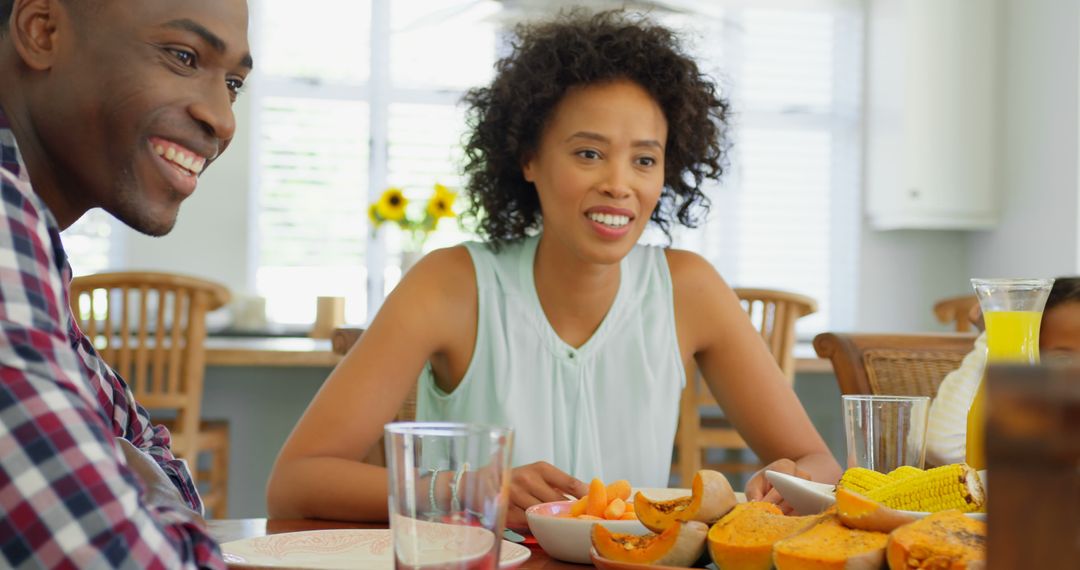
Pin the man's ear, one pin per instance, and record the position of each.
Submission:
(34, 29)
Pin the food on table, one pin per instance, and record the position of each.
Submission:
(830, 545)
(743, 539)
(681, 544)
(856, 532)
(955, 486)
(604, 502)
(862, 480)
(942, 540)
(905, 471)
(711, 498)
(857, 511)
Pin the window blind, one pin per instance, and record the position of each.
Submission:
(792, 74)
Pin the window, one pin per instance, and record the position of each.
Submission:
(346, 107)
(786, 214)
(91, 242)
(349, 105)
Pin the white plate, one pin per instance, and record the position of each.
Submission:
(333, 549)
(808, 497)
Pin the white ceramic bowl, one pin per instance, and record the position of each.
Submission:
(569, 539)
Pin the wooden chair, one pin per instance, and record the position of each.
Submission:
(893, 364)
(343, 339)
(955, 310)
(774, 314)
(151, 327)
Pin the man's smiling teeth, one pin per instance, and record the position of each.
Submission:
(190, 162)
(610, 220)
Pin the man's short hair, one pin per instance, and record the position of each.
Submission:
(5, 14)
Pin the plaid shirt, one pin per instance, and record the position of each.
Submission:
(67, 497)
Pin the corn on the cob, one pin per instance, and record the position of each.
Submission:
(954, 486)
(863, 480)
(905, 472)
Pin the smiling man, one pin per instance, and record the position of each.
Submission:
(117, 104)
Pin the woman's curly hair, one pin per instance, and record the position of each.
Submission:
(506, 118)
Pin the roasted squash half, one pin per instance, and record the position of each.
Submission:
(942, 540)
(743, 539)
(711, 498)
(829, 545)
(857, 511)
(680, 545)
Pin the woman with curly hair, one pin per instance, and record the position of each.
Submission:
(560, 325)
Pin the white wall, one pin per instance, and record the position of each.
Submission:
(902, 273)
(1040, 146)
(1038, 168)
(210, 239)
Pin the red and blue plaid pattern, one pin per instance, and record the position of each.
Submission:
(67, 497)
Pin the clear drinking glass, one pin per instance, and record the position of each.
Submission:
(885, 432)
(449, 487)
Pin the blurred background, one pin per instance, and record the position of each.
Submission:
(884, 150)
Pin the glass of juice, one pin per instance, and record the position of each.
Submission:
(1012, 310)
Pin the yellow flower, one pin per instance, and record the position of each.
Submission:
(391, 205)
(441, 204)
(373, 214)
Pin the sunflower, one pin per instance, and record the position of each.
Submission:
(391, 205)
(441, 204)
(373, 215)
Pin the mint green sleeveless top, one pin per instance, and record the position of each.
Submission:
(607, 409)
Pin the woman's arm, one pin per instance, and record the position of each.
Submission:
(319, 473)
(743, 376)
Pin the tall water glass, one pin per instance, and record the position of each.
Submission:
(886, 432)
(449, 487)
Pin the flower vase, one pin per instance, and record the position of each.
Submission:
(408, 259)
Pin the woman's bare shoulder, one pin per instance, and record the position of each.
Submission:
(441, 284)
(691, 271)
(704, 303)
(454, 260)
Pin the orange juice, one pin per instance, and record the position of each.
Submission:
(1011, 336)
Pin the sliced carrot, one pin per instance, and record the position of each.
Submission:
(620, 489)
(629, 506)
(578, 508)
(615, 509)
(597, 499)
(589, 518)
(628, 516)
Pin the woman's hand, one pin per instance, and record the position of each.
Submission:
(536, 483)
(760, 489)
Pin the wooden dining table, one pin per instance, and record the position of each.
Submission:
(228, 530)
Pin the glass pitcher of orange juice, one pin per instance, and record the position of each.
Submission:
(1012, 310)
